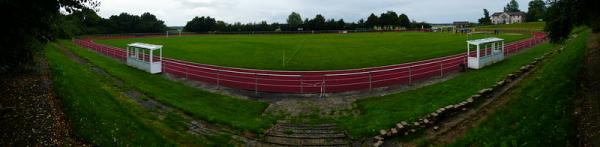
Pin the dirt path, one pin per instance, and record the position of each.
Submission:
(30, 114)
(587, 111)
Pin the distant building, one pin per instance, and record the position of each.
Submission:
(508, 17)
(461, 24)
(442, 27)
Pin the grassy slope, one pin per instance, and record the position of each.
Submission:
(310, 52)
(385, 111)
(533, 26)
(540, 108)
(96, 115)
(216, 108)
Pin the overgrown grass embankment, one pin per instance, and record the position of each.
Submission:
(215, 108)
(110, 117)
(539, 112)
(385, 111)
(97, 117)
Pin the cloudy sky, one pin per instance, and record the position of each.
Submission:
(178, 12)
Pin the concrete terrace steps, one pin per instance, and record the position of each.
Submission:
(285, 134)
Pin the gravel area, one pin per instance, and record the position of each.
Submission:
(587, 110)
(30, 114)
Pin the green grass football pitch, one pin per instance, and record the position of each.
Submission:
(312, 51)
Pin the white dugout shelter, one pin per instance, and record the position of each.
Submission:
(141, 56)
(489, 51)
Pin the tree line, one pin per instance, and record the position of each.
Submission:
(86, 21)
(29, 25)
(32, 24)
(536, 11)
(386, 21)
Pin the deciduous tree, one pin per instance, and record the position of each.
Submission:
(29, 25)
(389, 18)
(201, 24)
(318, 23)
(536, 11)
(485, 20)
(372, 21)
(512, 6)
(563, 15)
(404, 21)
(150, 24)
(294, 21)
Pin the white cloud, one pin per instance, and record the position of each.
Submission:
(178, 12)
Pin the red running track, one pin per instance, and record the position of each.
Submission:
(333, 81)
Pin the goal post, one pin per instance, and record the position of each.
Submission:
(170, 33)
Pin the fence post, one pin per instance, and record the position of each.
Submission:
(410, 75)
(323, 86)
(441, 68)
(370, 82)
(186, 72)
(530, 43)
(255, 84)
(218, 79)
(301, 84)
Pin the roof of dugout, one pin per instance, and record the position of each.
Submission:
(145, 46)
(484, 41)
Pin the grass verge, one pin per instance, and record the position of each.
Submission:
(540, 107)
